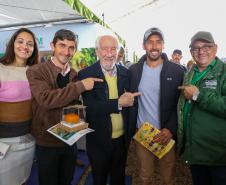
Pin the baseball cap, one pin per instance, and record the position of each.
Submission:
(152, 31)
(202, 35)
(177, 51)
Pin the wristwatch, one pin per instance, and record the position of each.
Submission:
(195, 95)
(119, 107)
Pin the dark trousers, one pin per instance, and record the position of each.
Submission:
(208, 175)
(108, 160)
(56, 165)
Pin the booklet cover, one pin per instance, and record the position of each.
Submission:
(68, 137)
(145, 136)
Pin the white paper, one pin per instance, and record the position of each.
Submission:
(3, 149)
(68, 137)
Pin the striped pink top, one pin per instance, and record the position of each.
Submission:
(14, 86)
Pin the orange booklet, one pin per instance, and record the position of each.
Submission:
(145, 136)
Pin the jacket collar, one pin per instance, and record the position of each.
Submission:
(56, 70)
(121, 76)
(68, 67)
(99, 73)
(216, 70)
(144, 59)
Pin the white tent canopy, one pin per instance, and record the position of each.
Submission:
(178, 19)
(15, 13)
(114, 10)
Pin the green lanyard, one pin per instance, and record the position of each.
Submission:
(196, 78)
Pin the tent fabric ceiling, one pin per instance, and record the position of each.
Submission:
(15, 13)
(25, 12)
(114, 10)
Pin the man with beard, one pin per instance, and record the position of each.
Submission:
(176, 58)
(54, 86)
(107, 113)
(157, 79)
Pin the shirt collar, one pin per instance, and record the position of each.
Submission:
(64, 73)
(114, 72)
(210, 66)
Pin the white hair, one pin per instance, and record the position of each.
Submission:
(97, 43)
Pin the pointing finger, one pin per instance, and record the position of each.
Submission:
(97, 79)
(181, 87)
(136, 94)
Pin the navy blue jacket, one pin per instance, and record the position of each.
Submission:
(170, 78)
(99, 106)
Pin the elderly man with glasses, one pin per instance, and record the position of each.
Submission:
(202, 113)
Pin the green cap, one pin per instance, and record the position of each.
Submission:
(202, 35)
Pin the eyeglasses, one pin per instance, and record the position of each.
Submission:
(204, 48)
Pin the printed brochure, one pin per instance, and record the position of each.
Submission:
(68, 137)
(145, 136)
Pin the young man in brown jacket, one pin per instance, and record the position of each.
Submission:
(54, 86)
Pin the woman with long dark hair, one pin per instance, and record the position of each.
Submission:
(15, 108)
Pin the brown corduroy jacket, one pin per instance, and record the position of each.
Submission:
(48, 100)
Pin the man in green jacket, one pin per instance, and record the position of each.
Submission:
(202, 113)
